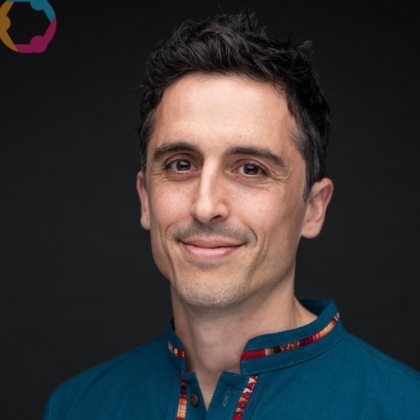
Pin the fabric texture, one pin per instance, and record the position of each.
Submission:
(318, 371)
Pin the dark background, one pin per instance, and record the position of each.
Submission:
(78, 285)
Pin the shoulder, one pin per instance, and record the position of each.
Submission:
(142, 359)
(109, 382)
(371, 360)
(379, 381)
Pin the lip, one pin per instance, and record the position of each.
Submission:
(209, 248)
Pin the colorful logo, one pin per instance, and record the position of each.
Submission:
(38, 43)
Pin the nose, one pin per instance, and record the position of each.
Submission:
(210, 203)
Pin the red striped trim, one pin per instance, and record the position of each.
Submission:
(252, 354)
(182, 405)
(175, 351)
(244, 398)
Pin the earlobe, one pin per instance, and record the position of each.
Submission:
(144, 201)
(317, 204)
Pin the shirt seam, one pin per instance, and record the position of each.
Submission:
(376, 353)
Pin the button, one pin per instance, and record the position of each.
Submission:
(194, 400)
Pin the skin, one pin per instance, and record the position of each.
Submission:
(222, 195)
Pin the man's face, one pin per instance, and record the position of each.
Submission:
(223, 191)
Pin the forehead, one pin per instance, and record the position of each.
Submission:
(224, 111)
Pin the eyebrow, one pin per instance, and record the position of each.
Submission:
(174, 147)
(258, 152)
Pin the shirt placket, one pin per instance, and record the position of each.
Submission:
(229, 402)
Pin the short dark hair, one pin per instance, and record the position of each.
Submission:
(238, 45)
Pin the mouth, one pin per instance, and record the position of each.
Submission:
(209, 248)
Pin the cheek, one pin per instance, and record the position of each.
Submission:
(278, 217)
(167, 206)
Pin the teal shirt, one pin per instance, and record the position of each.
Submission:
(318, 371)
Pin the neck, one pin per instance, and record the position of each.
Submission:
(214, 338)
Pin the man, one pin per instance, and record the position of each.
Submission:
(234, 130)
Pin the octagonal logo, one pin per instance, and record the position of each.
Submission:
(38, 43)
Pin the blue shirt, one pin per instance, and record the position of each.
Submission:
(318, 371)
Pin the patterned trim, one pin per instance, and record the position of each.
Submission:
(244, 398)
(182, 405)
(175, 351)
(252, 354)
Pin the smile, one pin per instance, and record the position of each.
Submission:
(209, 249)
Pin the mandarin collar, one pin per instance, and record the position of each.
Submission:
(274, 351)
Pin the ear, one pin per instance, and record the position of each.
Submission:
(144, 200)
(317, 204)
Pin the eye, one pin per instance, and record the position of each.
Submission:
(250, 169)
(180, 165)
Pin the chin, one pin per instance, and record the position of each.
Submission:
(210, 295)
